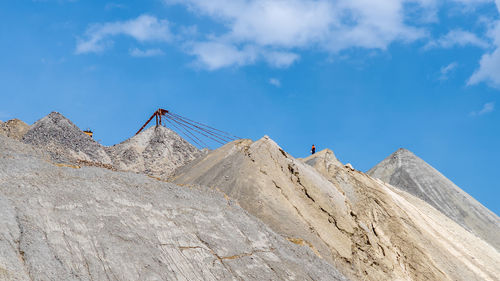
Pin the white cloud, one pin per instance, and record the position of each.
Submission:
(280, 59)
(489, 65)
(489, 70)
(279, 28)
(145, 28)
(446, 70)
(275, 82)
(214, 55)
(136, 52)
(487, 108)
(459, 38)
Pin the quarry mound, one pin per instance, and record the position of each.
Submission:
(367, 229)
(65, 141)
(164, 210)
(408, 172)
(14, 128)
(157, 151)
(61, 222)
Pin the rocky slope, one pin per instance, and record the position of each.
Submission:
(369, 230)
(157, 151)
(291, 219)
(408, 172)
(64, 222)
(65, 141)
(14, 128)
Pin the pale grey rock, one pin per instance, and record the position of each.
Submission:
(157, 151)
(65, 141)
(366, 228)
(326, 156)
(408, 172)
(62, 222)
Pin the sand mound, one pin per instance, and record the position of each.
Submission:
(408, 172)
(95, 224)
(65, 141)
(157, 151)
(326, 156)
(14, 128)
(361, 225)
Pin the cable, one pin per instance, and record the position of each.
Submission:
(214, 134)
(201, 130)
(184, 133)
(187, 130)
(205, 125)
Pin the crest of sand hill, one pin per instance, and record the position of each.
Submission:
(14, 128)
(366, 228)
(408, 172)
(156, 151)
(65, 222)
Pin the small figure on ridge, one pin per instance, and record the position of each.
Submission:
(313, 149)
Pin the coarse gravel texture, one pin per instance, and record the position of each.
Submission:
(157, 151)
(95, 224)
(65, 141)
(408, 172)
(64, 222)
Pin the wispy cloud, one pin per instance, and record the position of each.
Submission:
(145, 28)
(489, 65)
(458, 38)
(136, 52)
(280, 59)
(447, 70)
(271, 27)
(215, 55)
(487, 108)
(275, 82)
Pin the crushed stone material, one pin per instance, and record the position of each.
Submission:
(14, 128)
(64, 140)
(157, 151)
(86, 223)
(408, 172)
(363, 226)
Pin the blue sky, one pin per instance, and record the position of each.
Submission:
(360, 77)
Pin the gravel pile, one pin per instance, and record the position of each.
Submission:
(157, 151)
(65, 141)
(405, 170)
(14, 128)
(366, 228)
(67, 223)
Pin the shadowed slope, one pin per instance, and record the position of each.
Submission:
(70, 223)
(346, 217)
(408, 172)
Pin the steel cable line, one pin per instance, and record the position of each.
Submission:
(195, 127)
